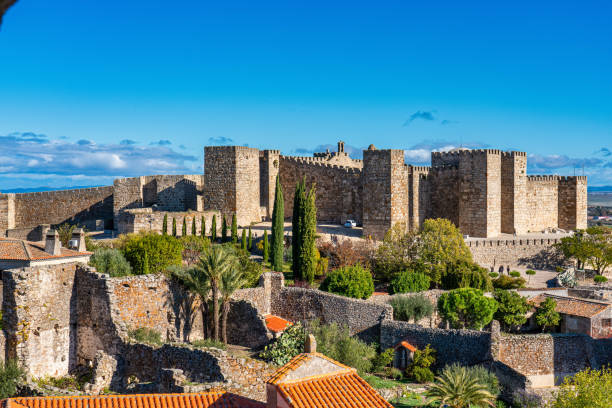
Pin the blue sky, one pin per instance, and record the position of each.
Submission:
(94, 90)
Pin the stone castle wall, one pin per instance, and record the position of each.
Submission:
(145, 219)
(444, 197)
(79, 206)
(338, 189)
(537, 253)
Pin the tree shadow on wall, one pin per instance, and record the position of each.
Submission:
(185, 306)
(546, 259)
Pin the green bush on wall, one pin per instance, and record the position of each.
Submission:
(152, 253)
(409, 281)
(351, 281)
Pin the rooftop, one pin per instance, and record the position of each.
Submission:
(573, 306)
(20, 250)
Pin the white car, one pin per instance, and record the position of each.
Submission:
(350, 224)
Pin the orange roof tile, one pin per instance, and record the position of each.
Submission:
(346, 390)
(405, 345)
(298, 361)
(20, 250)
(276, 324)
(199, 400)
(573, 306)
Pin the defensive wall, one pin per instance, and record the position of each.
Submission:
(536, 253)
(145, 219)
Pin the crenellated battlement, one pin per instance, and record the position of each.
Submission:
(547, 242)
(53, 193)
(306, 161)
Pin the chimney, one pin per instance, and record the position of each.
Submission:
(311, 344)
(77, 241)
(52, 243)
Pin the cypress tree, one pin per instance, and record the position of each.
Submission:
(278, 224)
(213, 228)
(203, 227)
(250, 240)
(296, 233)
(165, 225)
(224, 229)
(193, 227)
(234, 229)
(173, 227)
(243, 241)
(265, 247)
(308, 237)
(184, 230)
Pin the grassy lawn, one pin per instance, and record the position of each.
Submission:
(408, 402)
(379, 382)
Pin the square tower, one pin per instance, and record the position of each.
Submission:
(385, 191)
(231, 182)
(514, 211)
(573, 203)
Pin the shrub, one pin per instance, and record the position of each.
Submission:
(193, 247)
(110, 261)
(65, 233)
(393, 373)
(466, 307)
(511, 308)
(464, 274)
(515, 274)
(351, 281)
(506, 282)
(493, 274)
(146, 335)
(409, 281)
(251, 270)
(396, 253)
(335, 342)
(459, 386)
(288, 345)
(546, 315)
(600, 279)
(487, 378)
(208, 343)
(526, 399)
(10, 376)
(152, 253)
(382, 360)
(346, 253)
(588, 388)
(422, 360)
(408, 308)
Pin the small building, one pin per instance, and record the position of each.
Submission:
(404, 354)
(17, 253)
(276, 325)
(583, 316)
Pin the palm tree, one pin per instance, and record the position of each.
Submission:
(458, 387)
(196, 281)
(214, 263)
(231, 280)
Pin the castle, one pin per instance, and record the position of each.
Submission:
(485, 192)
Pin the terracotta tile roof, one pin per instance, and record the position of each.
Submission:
(276, 324)
(299, 360)
(200, 400)
(20, 250)
(345, 390)
(573, 306)
(405, 345)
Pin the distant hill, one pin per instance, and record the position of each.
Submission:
(599, 189)
(38, 189)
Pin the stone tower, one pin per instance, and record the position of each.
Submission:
(514, 214)
(269, 162)
(385, 191)
(231, 182)
(573, 202)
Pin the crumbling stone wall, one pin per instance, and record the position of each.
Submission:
(39, 318)
(82, 206)
(537, 253)
(145, 219)
(338, 189)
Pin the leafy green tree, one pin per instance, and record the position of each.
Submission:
(250, 246)
(193, 227)
(266, 248)
(420, 367)
(588, 388)
(441, 243)
(216, 262)
(234, 229)
(530, 273)
(466, 307)
(278, 226)
(464, 274)
(243, 240)
(173, 227)
(458, 387)
(193, 247)
(601, 251)
(203, 227)
(507, 282)
(299, 200)
(152, 253)
(10, 376)
(409, 281)
(213, 228)
(397, 252)
(110, 261)
(184, 229)
(511, 309)
(576, 246)
(600, 279)
(546, 316)
(414, 307)
(352, 281)
(65, 233)
(232, 279)
(224, 229)
(251, 269)
(307, 249)
(165, 225)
